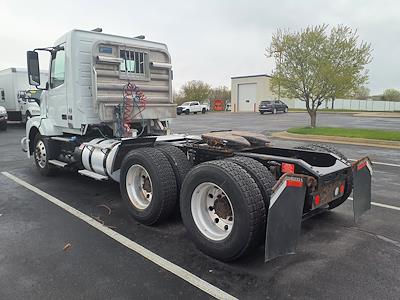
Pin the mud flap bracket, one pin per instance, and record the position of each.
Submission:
(285, 216)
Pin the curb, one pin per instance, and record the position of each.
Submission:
(337, 140)
(378, 115)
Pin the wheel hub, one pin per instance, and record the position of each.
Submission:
(222, 207)
(212, 211)
(40, 154)
(139, 187)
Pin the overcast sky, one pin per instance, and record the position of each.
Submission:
(208, 40)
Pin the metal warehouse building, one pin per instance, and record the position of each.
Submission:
(249, 91)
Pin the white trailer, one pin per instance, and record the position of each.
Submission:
(105, 112)
(13, 81)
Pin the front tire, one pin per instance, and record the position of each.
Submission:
(3, 126)
(203, 111)
(148, 185)
(222, 209)
(187, 112)
(42, 155)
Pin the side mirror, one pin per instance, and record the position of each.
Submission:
(33, 68)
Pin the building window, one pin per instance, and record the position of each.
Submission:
(3, 95)
(134, 62)
(57, 69)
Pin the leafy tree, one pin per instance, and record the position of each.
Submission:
(221, 93)
(362, 93)
(391, 95)
(194, 90)
(314, 65)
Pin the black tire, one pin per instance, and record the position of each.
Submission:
(42, 161)
(179, 163)
(187, 112)
(195, 112)
(261, 112)
(164, 193)
(330, 149)
(3, 126)
(203, 111)
(261, 175)
(178, 113)
(247, 204)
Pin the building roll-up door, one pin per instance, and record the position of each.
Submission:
(247, 96)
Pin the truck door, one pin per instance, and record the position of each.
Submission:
(193, 107)
(57, 93)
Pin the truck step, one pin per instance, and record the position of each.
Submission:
(92, 175)
(57, 163)
(60, 138)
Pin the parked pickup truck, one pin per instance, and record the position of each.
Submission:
(191, 107)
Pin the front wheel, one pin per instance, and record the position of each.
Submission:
(203, 111)
(3, 126)
(222, 209)
(187, 112)
(42, 155)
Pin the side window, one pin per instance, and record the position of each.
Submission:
(2, 96)
(277, 102)
(193, 104)
(57, 76)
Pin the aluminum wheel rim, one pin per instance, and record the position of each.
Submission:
(139, 186)
(40, 154)
(212, 222)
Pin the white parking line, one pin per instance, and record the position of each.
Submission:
(158, 260)
(382, 205)
(380, 163)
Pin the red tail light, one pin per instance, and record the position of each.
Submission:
(341, 188)
(287, 168)
(317, 200)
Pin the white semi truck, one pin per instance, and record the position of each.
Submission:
(13, 85)
(104, 112)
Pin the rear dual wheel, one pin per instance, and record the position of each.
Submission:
(148, 185)
(150, 182)
(223, 210)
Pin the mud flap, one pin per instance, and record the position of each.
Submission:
(285, 216)
(362, 174)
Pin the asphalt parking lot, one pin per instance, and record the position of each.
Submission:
(335, 257)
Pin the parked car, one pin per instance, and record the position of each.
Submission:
(272, 106)
(3, 118)
(191, 107)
